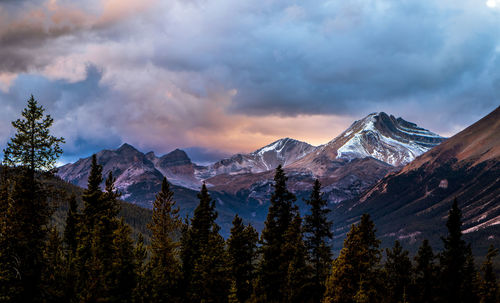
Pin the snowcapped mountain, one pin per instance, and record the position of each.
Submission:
(284, 151)
(413, 203)
(347, 165)
(383, 137)
(378, 135)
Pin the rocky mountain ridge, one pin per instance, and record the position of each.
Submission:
(347, 165)
(412, 203)
(281, 152)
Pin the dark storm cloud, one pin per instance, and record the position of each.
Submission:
(167, 74)
(343, 57)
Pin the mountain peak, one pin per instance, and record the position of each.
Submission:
(384, 137)
(279, 145)
(126, 147)
(175, 157)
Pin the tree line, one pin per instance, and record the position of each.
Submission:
(95, 259)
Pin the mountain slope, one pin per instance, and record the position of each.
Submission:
(284, 151)
(378, 135)
(138, 176)
(177, 167)
(413, 203)
(346, 166)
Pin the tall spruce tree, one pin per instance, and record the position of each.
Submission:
(298, 281)
(87, 265)
(242, 246)
(355, 272)
(70, 229)
(489, 286)
(32, 147)
(397, 274)
(426, 274)
(273, 268)
(9, 282)
(70, 245)
(26, 214)
(105, 233)
(97, 247)
(455, 272)
(165, 272)
(142, 290)
(206, 274)
(318, 233)
(470, 284)
(123, 274)
(53, 274)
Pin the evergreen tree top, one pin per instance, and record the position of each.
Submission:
(95, 176)
(281, 193)
(453, 242)
(33, 146)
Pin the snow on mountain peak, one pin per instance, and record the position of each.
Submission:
(283, 151)
(277, 146)
(386, 138)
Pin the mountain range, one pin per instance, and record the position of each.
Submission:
(380, 165)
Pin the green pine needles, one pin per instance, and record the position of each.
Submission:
(33, 146)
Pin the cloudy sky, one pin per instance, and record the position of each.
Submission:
(225, 76)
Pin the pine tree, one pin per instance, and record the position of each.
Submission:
(453, 260)
(99, 229)
(489, 288)
(10, 286)
(92, 196)
(33, 147)
(470, 283)
(272, 271)
(165, 267)
(88, 266)
(355, 271)
(70, 245)
(27, 213)
(424, 286)
(142, 290)
(298, 282)
(70, 229)
(204, 256)
(53, 279)
(397, 272)
(242, 246)
(124, 279)
(318, 232)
